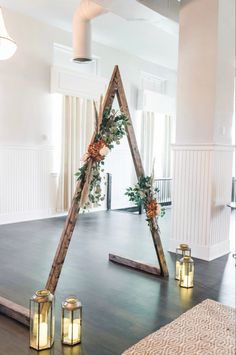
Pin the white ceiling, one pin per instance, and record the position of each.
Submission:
(130, 26)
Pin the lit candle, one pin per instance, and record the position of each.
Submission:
(41, 320)
(74, 331)
(35, 324)
(71, 320)
(188, 280)
(42, 335)
(177, 275)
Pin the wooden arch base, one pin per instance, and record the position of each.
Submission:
(20, 313)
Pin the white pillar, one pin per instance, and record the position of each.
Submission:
(203, 150)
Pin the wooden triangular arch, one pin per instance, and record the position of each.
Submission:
(21, 314)
(115, 88)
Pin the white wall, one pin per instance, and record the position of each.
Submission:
(27, 122)
(27, 119)
(26, 104)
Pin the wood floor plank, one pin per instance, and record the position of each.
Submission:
(120, 305)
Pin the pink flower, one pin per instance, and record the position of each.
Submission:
(104, 151)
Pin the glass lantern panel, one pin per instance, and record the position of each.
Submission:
(186, 274)
(41, 325)
(71, 326)
(180, 253)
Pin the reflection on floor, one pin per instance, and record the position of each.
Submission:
(121, 306)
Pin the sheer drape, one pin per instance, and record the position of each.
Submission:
(147, 141)
(166, 156)
(156, 143)
(77, 129)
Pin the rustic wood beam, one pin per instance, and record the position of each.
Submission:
(159, 250)
(134, 264)
(71, 219)
(63, 245)
(14, 311)
(116, 88)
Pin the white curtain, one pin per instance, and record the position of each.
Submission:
(166, 156)
(147, 141)
(156, 143)
(77, 129)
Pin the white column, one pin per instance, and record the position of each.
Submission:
(203, 150)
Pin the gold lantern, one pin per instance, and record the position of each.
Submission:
(186, 272)
(182, 250)
(71, 321)
(42, 320)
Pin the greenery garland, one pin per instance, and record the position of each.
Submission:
(110, 132)
(145, 194)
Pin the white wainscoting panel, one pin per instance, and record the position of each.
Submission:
(27, 187)
(201, 192)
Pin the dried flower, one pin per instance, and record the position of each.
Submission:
(95, 148)
(153, 209)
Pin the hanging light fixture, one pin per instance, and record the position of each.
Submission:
(7, 45)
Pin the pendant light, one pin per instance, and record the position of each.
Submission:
(7, 45)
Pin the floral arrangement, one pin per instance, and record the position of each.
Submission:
(144, 193)
(110, 129)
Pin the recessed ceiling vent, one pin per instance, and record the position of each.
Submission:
(86, 11)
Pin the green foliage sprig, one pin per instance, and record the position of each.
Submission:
(145, 194)
(111, 130)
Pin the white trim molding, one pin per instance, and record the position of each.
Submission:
(204, 147)
(203, 252)
(69, 82)
(201, 192)
(154, 102)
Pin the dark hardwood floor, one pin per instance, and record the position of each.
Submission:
(120, 305)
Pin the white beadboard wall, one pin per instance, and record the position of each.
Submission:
(201, 191)
(27, 185)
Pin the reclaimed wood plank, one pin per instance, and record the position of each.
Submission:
(135, 264)
(116, 88)
(14, 311)
(159, 250)
(71, 220)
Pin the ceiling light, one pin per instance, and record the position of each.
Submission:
(7, 45)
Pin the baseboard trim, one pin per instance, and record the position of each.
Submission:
(207, 253)
(26, 216)
(38, 214)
